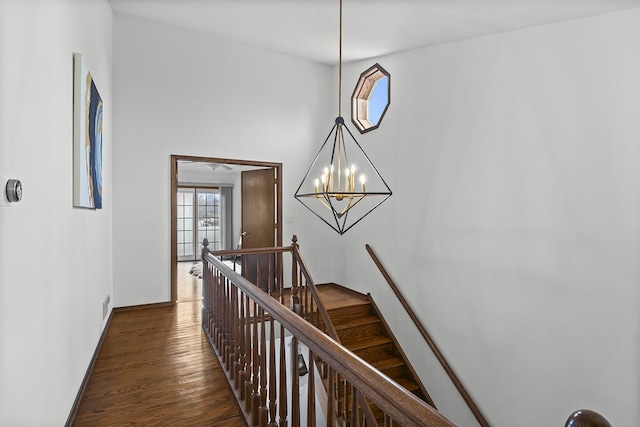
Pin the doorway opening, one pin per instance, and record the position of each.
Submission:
(209, 199)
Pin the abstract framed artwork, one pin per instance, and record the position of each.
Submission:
(87, 138)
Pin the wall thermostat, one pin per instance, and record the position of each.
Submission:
(13, 190)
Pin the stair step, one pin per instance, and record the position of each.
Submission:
(389, 363)
(408, 384)
(346, 314)
(362, 343)
(393, 367)
(358, 321)
(358, 328)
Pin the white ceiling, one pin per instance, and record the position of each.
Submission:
(309, 28)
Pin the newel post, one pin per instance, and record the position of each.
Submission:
(206, 291)
(205, 249)
(295, 298)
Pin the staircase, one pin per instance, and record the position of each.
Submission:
(362, 330)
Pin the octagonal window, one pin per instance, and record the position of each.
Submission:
(371, 98)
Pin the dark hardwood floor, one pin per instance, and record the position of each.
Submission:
(156, 368)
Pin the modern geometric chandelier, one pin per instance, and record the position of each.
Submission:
(342, 186)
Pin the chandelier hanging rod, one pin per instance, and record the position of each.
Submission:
(340, 67)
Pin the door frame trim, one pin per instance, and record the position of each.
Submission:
(174, 199)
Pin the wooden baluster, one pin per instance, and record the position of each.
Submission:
(272, 273)
(273, 406)
(216, 310)
(239, 367)
(227, 320)
(388, 422)
(283, 380)
(205, 306)
(295, 384)
(212, 288)
(227, 308)
(314, 314)
(331, 397)
(263, 410)
(280, 272)
(217, 307)
(255, 365)
(305, 290)
(207, 300)
(281, 295)
(345, 400)
(355, 419)
(234, 355)
(311, 392)
(258, 271)
(235, 325)
(246, 386)
(219, 316)
(295, 299)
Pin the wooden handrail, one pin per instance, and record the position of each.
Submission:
(423, 331)
(587, 418)
(251, 251)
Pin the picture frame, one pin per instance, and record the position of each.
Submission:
(87, 138)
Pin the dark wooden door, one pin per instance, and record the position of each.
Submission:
(258, 222)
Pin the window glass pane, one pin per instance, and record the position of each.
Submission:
(204, 216)
(378, 100)
(188, 198)
(184, 246)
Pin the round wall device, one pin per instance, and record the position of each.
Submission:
(14, 190)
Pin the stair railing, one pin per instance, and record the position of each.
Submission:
(248, 327)
(436, 351)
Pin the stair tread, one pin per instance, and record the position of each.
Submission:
(358, 321)
(387, 363)
(366, 341)
(407, 383)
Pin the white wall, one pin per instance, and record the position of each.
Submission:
(179, 92)
(513, 228)
(55, 261)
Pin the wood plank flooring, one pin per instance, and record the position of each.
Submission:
(156, 368)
